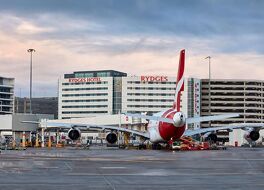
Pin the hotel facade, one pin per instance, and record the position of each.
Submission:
(86, 93)
(82, 94)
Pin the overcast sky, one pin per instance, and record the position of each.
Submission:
(141, 37)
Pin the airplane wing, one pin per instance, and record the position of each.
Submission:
(188, 120)
(228, 127)
(84, 126)
(155, 118)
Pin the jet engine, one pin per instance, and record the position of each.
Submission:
(74, 134)
(210, 136)
(251, 135)
(111, 138)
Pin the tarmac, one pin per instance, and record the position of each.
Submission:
(73, 168)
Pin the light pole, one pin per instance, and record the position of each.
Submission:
(209, 86)
(30, 93)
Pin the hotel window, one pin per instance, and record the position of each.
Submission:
(89, 75)
(79, 75)
(103, 74)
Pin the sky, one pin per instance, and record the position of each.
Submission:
(140, 37)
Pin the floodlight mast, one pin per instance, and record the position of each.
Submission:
(30, 91)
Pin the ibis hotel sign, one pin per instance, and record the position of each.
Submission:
(80, 80)
(154, 79)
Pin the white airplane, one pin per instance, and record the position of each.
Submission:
(164, 126)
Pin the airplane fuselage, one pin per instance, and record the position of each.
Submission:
(163, 132)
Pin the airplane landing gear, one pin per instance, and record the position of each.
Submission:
(156, 146)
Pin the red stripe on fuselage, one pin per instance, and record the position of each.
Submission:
(168, 130)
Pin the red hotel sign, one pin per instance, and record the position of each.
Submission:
(154, 78)
(79, 80)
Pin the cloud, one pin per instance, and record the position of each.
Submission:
(137, 37)
(180, 17)
(26, 28)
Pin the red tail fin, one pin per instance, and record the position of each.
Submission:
(180, 81)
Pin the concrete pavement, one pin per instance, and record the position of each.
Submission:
(70, 168)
